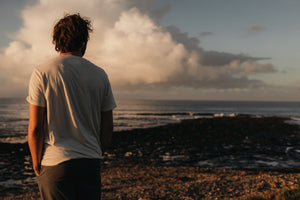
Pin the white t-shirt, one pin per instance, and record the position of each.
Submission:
(74, 92)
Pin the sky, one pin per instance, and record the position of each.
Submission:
(165, 49)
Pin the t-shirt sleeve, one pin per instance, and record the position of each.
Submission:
(36, 92)
(108, 102)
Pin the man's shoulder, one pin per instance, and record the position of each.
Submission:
(94, 68)
(59, 62)
(49, 64)
(92, 64)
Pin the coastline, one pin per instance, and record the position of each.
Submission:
(187, 160)
(240, 142)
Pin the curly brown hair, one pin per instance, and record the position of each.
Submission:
(71, 33)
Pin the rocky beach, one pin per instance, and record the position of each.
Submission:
(208, 158)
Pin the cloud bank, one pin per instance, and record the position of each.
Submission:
(130, 44)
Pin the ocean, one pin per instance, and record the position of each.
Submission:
(134, 114)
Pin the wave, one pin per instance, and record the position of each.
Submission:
(14, 139)
(4, 119)
(189, 114)
(295, 118)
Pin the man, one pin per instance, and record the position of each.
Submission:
(70, 122)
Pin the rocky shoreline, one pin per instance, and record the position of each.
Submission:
(226, 157)
(242, 142)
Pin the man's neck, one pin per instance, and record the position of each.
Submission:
(75, 53)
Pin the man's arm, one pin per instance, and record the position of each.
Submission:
(36, 134)
(106, 129)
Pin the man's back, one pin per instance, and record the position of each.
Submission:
(75, 93)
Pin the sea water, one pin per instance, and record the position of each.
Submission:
(133, 114)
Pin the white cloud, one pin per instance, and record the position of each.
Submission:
(130, 45)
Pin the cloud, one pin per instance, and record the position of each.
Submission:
(215, 58)
(255, 29)
(190, 43)
(204, 34)
(130, 45)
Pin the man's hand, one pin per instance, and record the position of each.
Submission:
(37, 169)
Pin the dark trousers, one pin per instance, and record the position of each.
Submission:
(71, 180)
